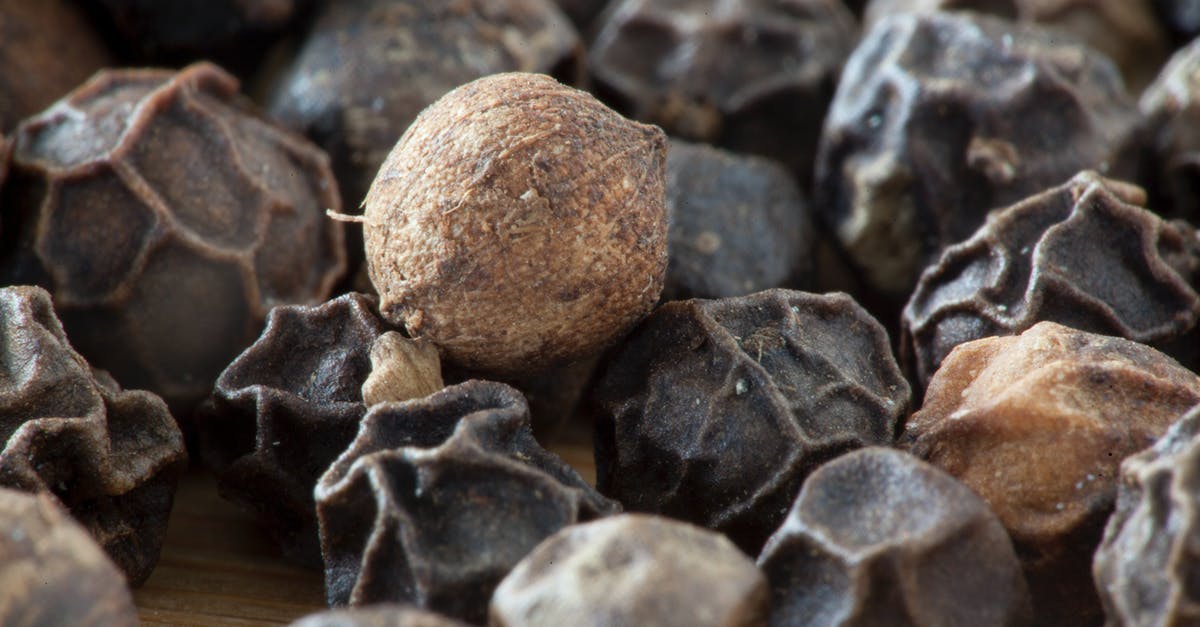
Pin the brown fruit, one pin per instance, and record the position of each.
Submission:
(518, 224)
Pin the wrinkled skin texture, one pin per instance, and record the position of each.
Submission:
(1037, 424)
(753, 76)
(1084, 254)
(519, 224)
(878, 537)
(49, 48)
(438, 498)
(714, 411)
(52, 572)
(285, 409)
(368, 67)
(1127, 31)
(381, 615)
(1144, 566)
(940, 118)
(1171, 107)
(739, 225)
(111, 457)
(166, 219)
(632, 570)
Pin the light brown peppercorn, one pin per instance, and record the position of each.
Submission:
(518, 224)
(1037, 425)
(51, 571)
(401, 368)
(632, 569)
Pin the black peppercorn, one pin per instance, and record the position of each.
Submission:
(1171, 109)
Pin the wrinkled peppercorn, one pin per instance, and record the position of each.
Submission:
(1037, 425)
(519, 224)
(714, 411)
(284, 410)
(1144, 565)
(1084, 254)
(381, 615)
(53, 572)
(941, 117)
(368, 67)
(1171, 108)
(878, 537)
(739, 225)
(47, 48)
(166, 219)
(632, 569)
(438, 498)
(111, 457)
(753, 77)
(1127, 31)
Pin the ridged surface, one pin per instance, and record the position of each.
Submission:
(714, 411)
(166, 220)
(1084, 254)
(739, 225)
(878, 537)
(284, 410)
(632, 570)
(438, 498)
(519, 224)
(1171, 108)
(1037, 425)
(940, 118)
(111, 457)
(753, 76)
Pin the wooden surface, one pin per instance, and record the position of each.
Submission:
(219, 568)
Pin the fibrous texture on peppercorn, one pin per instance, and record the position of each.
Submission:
(1084, 254)
(52, 572)
(632, 570)
(381, 615)
(878, 537)
(1145, 564)
(1127, 31)
(753, 76)
(519, 224)
(48, 49)
(941, 117)
(1171, 108)
(714, 411)
(112, 457)
(438, 498)
(368, 67)
(739, 224)
(284, 410)
(166, 219)
(1037, 424)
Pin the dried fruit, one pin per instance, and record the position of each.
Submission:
(284, 410)
(1171, 107)
(1127, 31)
(519, 224)
(739, 225)
(1084, 254)
(632, 570)
(1037, 425)
(878, 537)
(941, 117)
(1144, 566)
(753, 77)
(53, 572)
(111, 457)
(48, 49)
(166, 219)
(438, 498)
(381, 615)
(368, 67)
(713, 412)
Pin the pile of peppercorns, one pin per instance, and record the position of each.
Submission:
(364, 258)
